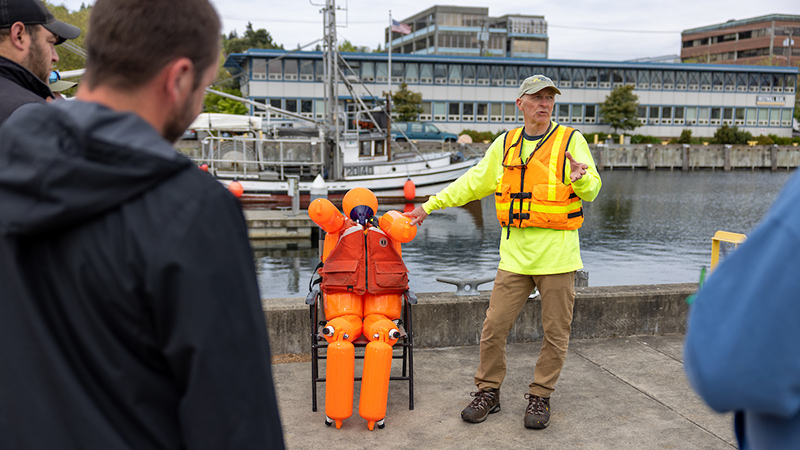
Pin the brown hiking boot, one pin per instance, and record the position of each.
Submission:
(485, 403)
(537, 415)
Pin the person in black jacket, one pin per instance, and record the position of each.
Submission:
(28, 36)
(130, 316)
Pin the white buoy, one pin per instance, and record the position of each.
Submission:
(319, 189)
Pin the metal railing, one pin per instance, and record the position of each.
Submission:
(249, 157)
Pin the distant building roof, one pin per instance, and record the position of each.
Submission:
(736, 23)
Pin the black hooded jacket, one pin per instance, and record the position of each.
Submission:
(19, 86)
(130, 316)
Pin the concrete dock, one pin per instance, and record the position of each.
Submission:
(615, 393)
(622, 387)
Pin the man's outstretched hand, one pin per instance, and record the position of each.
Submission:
(576, 169)
(417, 215)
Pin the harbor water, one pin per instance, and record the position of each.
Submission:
(644, 228)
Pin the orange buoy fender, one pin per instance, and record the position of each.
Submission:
(397, 226)
(409, 190)
(236, 189)
(375, 381)
(204, 167)
(339, 379)
(326, 215)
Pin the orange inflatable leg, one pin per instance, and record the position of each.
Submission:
(376, 325)
(390, 305)
(347, 328)
(339, 379)
(375, 381)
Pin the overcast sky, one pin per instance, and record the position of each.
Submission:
(606, 30)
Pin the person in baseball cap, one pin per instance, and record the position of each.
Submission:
(28, 35)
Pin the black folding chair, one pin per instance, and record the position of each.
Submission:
(403, 349)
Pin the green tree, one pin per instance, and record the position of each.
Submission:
(731, 135)
(407, 104)
(619, 108)
(252, 39)
(349, 47)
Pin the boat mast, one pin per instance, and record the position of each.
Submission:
(331, 64)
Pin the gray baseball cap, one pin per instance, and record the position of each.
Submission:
(534, 84)
(34, 12)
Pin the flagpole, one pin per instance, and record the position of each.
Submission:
(389, 84)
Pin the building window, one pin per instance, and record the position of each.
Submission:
(368, 72)
(440, 112)
(564, 75)
(469, 75)
(678, 119)
(455, 74)
(730, 82)
(702, 116)
(306, 70)
(654, 116)
(591, 113)
(604, 79)
(738, 115)
(425, 115)
(290, 70)
(666, 115)
(786, 117)
(693, 81)
(705, 81)
(483, 112)
(511, 76)
(319, 68)
(497, 112)
(644, 80)
(691, 115)
(468, 113)
(497, 76)
(741, 82)
(440, 74)
(291, 105)
(655, 80)
(412, 76)
(591, 78)
(716, 82)
(630, 77)
(680, 81)
(307, 108)
(563, 113)
(577, 113)
(727, 116)
(753, 82)
(276, 70)
(766, 83)
(259, 69)
(511, 111)
(715, 116)
(483, 76)
(426, 74)
(454, 112)
(319, 106)
(578, 77)
(751, 117)
(381, 73)
(641, 114)
(774, 117)
(397, 72)
(763, 117)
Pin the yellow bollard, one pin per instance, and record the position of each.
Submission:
(723, 236)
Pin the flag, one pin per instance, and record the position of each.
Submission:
(400, 27)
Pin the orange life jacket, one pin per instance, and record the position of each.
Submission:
(364, 262)
(535, 193)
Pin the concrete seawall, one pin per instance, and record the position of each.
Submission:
(695, 157)
(447, 320)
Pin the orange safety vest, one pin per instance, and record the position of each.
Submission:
(364, 262)
(534, 193)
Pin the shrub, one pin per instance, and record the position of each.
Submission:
(642, 139)
(731, 135)
(764, 140)
(780, 140)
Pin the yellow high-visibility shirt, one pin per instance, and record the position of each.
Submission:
(530, 250)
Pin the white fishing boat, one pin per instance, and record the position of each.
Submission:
(350, 147)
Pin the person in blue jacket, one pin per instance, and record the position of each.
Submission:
(742, 349)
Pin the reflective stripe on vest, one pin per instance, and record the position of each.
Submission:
(533, 193)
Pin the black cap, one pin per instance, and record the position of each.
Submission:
(33, 12)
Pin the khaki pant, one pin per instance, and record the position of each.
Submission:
(509, 295)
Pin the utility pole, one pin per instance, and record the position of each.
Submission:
(331, 65)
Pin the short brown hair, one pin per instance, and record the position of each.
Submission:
(129, 41)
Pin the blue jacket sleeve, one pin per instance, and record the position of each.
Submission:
(742, 349)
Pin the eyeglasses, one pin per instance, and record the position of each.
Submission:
(54, 76)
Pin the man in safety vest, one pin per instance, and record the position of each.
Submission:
(539, 174)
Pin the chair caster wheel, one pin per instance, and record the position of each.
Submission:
(328, 421)
(381, 423)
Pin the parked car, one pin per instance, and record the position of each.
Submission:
(420, 131)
